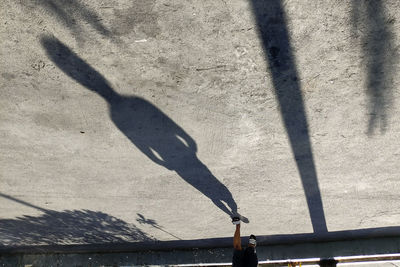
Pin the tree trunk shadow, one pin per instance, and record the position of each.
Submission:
(273, 32)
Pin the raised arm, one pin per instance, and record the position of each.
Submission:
(150, 154)
(189, 140)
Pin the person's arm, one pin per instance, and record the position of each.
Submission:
(150, 154)
(237, 242)
(189, 140)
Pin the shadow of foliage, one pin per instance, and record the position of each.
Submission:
(375, 30)
(68, 227)
(74, 15)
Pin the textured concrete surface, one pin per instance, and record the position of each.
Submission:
(276, 255)
(125, 121)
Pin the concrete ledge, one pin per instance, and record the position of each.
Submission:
(211, 243)
(266, 254)
(202, 251)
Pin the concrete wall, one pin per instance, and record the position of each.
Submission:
(126, 121)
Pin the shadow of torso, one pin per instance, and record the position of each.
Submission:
(153, 132)
(165, 143)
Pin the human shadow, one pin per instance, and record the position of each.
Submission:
(273, 32)
(380, 57)
(66, 227)
(147, 127)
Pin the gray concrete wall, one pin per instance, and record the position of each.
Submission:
(223, 255)
(127, 121)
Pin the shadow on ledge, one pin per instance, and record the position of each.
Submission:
(355, 236)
